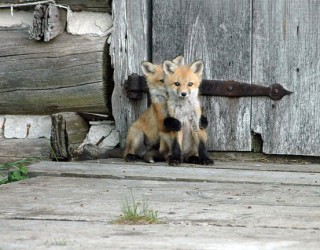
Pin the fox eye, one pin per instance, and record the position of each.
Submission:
(177, 84)
(161, 80)
(190, 84)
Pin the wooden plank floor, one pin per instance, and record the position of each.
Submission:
(231, 205)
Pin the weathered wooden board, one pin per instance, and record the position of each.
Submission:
(42, 234)
(16, 149)
(275, 209)
(75, 5)
(65, 74)
(223, 204)
(286, 50)
(219, 33)
(122, 170)
(130, 46)
(195, 203)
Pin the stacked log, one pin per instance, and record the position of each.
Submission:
(54, 74)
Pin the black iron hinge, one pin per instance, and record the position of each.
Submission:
(136, 85)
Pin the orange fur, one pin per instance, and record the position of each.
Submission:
(143, 137)
(182, 84)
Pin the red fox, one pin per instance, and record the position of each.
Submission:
(182, 83)
(143, 139)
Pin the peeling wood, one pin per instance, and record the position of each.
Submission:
(49, 21)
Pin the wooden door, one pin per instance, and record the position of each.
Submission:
(219, 33)
(286, 49)
(253, 41)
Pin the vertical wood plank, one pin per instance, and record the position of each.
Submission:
(219, 32)
(130, 45)
(286, 49)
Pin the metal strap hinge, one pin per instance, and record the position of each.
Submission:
(136, 85)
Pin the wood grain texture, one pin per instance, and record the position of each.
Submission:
(286, 50)
(129, 47)
(55, 22)
(59, 138)
(219, 33)
(64, 74)
(16, 149)
(48, 22)
(198, 208)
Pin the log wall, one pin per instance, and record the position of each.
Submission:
(65, 74)
(75, 5)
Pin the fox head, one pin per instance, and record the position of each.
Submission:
(183, 81)
(154, 74)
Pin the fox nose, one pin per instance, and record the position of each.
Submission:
(183, 93)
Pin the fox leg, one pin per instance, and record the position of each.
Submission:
(200, 154)
(165, 144)
(175, 155)
(202, 149)
(134, 143)
(153, 155)
(194, 154)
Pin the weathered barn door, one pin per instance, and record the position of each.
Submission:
(219, 33)
(253, 41)
(286, 49)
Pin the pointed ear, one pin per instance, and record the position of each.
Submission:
(169, 67)
(179, 60)
(197, 67)
(148, 68)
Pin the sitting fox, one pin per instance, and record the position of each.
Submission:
(189, 143)
(143, 138)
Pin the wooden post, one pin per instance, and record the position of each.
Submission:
(49, 21)
(130, 46)
(59, 139)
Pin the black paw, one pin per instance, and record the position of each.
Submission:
(203, 123)
(193, 160)
(174, 161)
(205, 160)
(131, 158)
(172, 124)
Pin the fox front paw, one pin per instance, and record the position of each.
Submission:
(203, 123)
(205, 160)
(172, 124)
(193, 160)
(131, 158)
(174, 161)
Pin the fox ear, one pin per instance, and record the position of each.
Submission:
(148, 68)
(179, 60)
(169, 67)
(197, 67)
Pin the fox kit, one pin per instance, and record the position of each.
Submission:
(143, 139)
(182, 83)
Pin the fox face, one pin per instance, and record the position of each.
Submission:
(183, 81)
(154, 74)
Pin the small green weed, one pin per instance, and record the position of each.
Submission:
(16, 171)
(60, 243)
(135, 212)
